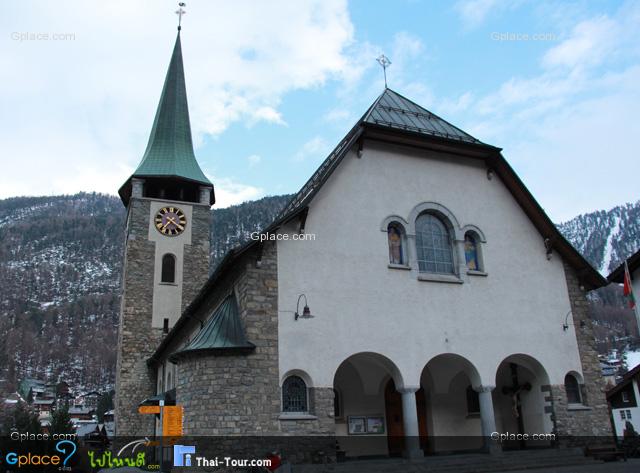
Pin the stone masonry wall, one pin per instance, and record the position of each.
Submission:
(320, 406)
(238, 394)
(594, 419)
(196, 256)
(137, 340)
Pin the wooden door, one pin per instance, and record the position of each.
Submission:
(421, 406)
(393, 413)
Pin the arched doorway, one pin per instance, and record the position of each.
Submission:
(452, 412)
(519, 400)
(370, 420)
(395, 423)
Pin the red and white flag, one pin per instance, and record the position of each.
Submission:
(628, 288)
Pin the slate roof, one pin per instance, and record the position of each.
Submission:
(633, 261)
(223, 332)
(391, 112)
(169, 151)
(626, 379)
(395, 111)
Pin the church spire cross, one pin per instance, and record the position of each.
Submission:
(180, 11)
(385, 62)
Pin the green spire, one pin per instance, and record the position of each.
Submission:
(169, 151)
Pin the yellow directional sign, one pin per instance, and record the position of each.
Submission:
(172, 421)
(149, 410)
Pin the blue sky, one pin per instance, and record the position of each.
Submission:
(273, 86)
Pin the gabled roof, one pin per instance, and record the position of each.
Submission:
(390, 111)
(395, 111)
(394, 118)
(626, 379)
(169, 151)
(633, 261)
(223, 332)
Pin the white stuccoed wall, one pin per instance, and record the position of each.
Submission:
(360, 305)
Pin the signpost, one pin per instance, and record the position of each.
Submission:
(172, 421)
(149, 410)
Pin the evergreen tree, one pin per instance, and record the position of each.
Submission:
(22, 420)
(61, 422)
(105, 403)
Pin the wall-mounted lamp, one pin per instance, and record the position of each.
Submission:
(306, 312)
(565, 325)
(490, 174)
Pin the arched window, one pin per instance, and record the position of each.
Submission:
(395, 237)
(168, 268)
(294, 395)
(572, 387)
(433, 244)
(471, 252)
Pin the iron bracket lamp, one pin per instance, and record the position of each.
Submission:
(306, 312)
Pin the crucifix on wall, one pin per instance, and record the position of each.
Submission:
(514, 391)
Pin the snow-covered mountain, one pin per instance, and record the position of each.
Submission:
(605, 237)
(60, 261)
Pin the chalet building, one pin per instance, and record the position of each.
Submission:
(81, 413)
(624, 399)
(44, 406)
(436, 300)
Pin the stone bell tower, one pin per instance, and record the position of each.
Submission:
(166, 251)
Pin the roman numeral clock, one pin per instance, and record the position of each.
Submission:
(170, 221)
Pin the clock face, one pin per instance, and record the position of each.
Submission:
(170, 221)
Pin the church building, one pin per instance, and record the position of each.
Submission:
(411, 293)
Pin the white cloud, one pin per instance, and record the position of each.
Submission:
(589, 44)
(474, 12)
(337, 115)
(230, 192)
(460, 104)
(313, 148)
(254, 160)
(577, 115)
(268, 114)
(82, 108)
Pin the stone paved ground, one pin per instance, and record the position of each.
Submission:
(630, 466)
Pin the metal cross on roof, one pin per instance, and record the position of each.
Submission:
(180, 11)
(385, 62)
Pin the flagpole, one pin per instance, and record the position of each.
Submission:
(627, 277)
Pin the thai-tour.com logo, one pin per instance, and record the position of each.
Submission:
(185, 455)
(65, 450)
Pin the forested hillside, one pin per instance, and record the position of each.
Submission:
(60, 273)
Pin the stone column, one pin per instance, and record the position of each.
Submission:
(205, 195)
(487, 418)
(410, 419)
(136, 187)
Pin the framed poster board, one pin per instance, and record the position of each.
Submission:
(357, 425)
(375, 425)
(366, 425)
